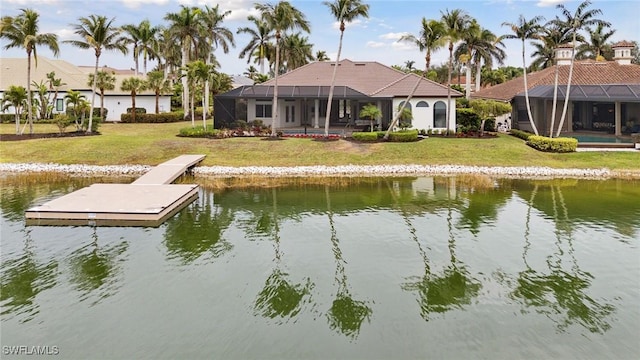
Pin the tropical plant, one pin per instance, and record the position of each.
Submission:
(54, 84)
(97, 33)
(487, 109)
(133, 85)
(16, 97)
(104, 81)
(525, 29)
(169, 51)
(22, 31)
(280, 17)
(74, 101)
(575, 22)
(220, 82)
(551, 36)
(144, 38)
(251, 72)
(597, 46)
(197, 72)
(371, 112)
(321, 55)
(159, 85)
(296, 51)
(260, 38)
(185, 29)
(41, 101)
(456, 22)
(344, 11)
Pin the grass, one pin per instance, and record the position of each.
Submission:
(152, 144)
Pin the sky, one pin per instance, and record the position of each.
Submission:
(372, 39)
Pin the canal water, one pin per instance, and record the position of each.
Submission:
(389, 268)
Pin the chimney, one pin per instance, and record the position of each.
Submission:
(563, 54)
(622, 52)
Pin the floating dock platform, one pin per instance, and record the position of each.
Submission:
(148, 201)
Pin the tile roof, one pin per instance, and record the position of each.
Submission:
(586, 72)
(367, 77)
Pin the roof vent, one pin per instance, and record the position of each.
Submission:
(359, 64)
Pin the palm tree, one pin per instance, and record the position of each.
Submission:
(22, 32)
(16, 97)
(215, 35)
(97, 33)
(523, 30)
(280, 17)
(75, 99)
(344, 11)
(576, 22)
(296, 51)
(321, 55)
(185, 29)
(104, 81)
(597, 44)
(456, 22)
(251, 72)
(197, 72)
(481, 45)
(551, 37)
(157, 82)
(257, 46)
(133, 85)
(169, 51)
(54, 84)
(431, 38)
(220, 83)
(144, 38)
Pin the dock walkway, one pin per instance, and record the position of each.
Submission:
(148, 201)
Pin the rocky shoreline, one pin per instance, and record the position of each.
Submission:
(344, 170)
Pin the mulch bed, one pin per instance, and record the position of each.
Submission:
(14, 137)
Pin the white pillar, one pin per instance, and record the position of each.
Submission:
(618, 112)
(316, 113)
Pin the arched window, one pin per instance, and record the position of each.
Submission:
(405, 121)
(422, 104)
(439, 115)
(408, 106)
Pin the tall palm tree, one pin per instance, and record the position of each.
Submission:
(597, 44)
(466, 50)
(456, 22)
(185, 29)
(525, 29)
(431, 38)
(280, 17)
(134, 85)
(481, 45)
(159, 85)
(344, 11)
(550, 37)
(97, 33)
(104, 81)
(260, 37)
(215, 36)
(168, 51)
(144, 38)
(16, 97)
(197, 72)
(76, 100)
(321, 55)
(575, 22)
(22, 31)
(296, 51)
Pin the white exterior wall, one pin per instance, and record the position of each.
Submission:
(282, 108)
(423, 116)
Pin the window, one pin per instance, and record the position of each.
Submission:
(439, 115)
(422, 104)
(263, 110)
(408, 106)
(59, 104)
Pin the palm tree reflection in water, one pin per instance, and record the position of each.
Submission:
(346, 314)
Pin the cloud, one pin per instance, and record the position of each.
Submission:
(32, 2)
(347, 25)
(393, 36)
(375, 44)
(403, 46)
(547, 3)
(65, 34)
(136, 4)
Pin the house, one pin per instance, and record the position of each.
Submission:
(116, 101)
(605, 95)
(303, 94)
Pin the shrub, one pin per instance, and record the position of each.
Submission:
(199, 131)
(62, 121)
(524, 135)
(365, 136)
(95, 124)
(404, 136)
(559, 145)
(7, 118)
(138, 110)
(239, 124)
(96, 112)
(490, 124)
(152, 118)
(468, 119)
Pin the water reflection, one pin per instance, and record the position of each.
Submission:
(95, 269)
(346, 314)
(22, 279)
(280, 298)
(198, 229)
(559, 292)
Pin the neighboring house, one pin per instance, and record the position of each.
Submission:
(303, 94)
(605, 95)
(116, 101)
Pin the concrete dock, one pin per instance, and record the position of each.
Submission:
(148, 201)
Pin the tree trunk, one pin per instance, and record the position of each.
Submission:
(467, 82)
(448, 112)
(157, 102)
(17, 115)
(566, 96)
(183, 79)
(93, 94)
(526, 92)
(102, 105)
(331, 88)
(555, 101)
(274, 107)
(133, 106)
(205, 94)
(29, 97)
(478, 75)
(193, 109)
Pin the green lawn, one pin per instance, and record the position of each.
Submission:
(154, 143)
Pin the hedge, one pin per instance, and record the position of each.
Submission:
(365, 136)
(520, 134)
(152, 118)
(467, 119)
(199, 131)
(558, 145)
(404, 136)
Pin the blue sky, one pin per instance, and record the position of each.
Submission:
(373, 39)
